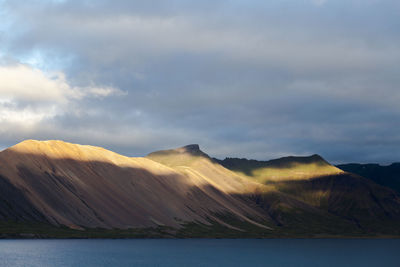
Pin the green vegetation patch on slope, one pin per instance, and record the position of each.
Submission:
(287, 168)
(372, 207)
(18, 229)
(24, 230)
(183, 156)
(335, 229)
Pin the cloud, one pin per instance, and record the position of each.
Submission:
(257, 79)
(22, 82)
(28, 95)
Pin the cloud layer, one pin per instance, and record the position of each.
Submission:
(241, 78)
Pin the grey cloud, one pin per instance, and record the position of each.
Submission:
(254, 79)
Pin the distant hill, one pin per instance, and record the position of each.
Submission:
(59, 189)
(286, 168)
(317, 183)
(384, 175)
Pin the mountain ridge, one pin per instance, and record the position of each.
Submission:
(282, 168)
(77, 171)
(185, 193)
(385, 175)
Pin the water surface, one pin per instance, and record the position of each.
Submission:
(201, 252)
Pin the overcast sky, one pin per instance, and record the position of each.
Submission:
(256, 79)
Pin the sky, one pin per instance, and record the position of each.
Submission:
(255, 79)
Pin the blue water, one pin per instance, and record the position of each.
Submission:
(201, 252)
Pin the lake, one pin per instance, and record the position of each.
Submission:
(201, 252)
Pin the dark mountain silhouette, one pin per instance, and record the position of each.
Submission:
(384, 175)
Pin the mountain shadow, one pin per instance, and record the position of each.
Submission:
(384, 175)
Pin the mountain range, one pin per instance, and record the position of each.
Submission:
(384, 175)
(59, 189)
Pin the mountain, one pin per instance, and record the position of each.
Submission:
(286, 168)
(89, 187)
(286, 213)
(316, 182)
(384, 175)
(59, 189)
